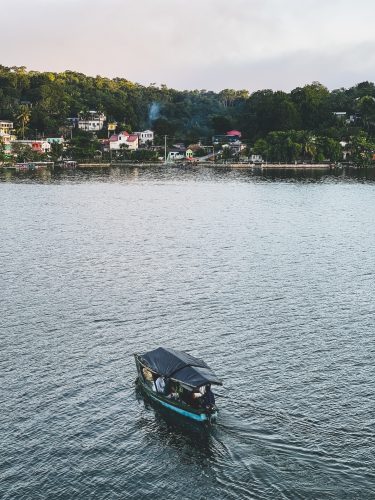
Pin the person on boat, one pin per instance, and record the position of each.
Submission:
(171, 390)
(208, 398)
(147, 375)
(196, 396)
(160, 385)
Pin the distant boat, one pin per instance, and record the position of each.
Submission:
(179, 382)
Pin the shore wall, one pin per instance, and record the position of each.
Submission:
(263, 166)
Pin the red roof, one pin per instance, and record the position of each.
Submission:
(113, 138)
(234, 132)
(124, 132)
(132, 138)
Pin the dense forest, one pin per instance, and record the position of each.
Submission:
(279, 124)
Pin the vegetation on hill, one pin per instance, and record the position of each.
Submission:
(279, 125)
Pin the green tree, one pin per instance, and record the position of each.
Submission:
(312, 102)
(56, 151)
(366, 108)
(328, 149)
(162, 126)
(24, 118)
(261, 147)
(3, 156)
(24, 153)
(83, 146)
(363, 149)
(308, 145)
(227, 153)
(221, 124)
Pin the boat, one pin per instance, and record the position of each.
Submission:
(185, 374)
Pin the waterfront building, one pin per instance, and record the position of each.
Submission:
(234, 133)
(343, 116)
(175, 154)
(145, 138)
(6, 127)
(92, 121)
(256, 159)
(124, 140)
(40, 146)
(233, 137)
(6, 138)
(55, 140)
(179, 153)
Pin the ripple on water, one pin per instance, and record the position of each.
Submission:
(270, 282)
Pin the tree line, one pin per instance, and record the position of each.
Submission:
(283, 126)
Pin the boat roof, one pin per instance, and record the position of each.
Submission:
(180, 366)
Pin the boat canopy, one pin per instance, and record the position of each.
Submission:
(179, 366)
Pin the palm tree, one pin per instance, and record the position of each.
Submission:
(24, 118)
(308, 145)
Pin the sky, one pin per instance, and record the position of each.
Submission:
(195, 44)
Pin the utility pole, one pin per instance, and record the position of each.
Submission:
(165, 149)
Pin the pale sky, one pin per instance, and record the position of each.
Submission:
(195, 44)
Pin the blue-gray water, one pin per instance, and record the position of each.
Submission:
(271, 282)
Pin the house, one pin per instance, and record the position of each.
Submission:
(234, 133)
(176, 154)
(55, 140)
(105, 145)
(6, 127)
(256, 159)
(92, 121)
(123, 140)
(146, 137)
(6, 140)
(40, 146)
(339, 114)
(226, 139)
(133, 142)
(116, 140)
(179, 153)
(346, 151)
(342, 115)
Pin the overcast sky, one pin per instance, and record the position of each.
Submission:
(195, 44)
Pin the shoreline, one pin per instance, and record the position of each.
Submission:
(190, 166)
(249, 166)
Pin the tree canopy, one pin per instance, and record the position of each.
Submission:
(41, 102)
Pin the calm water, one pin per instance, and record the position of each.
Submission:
(271, 282)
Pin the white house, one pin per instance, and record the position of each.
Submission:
(6, 127)
(181, 153)
(123, 140)
(92, 121)
(256, 159)
(6, 138)
(340, 114)
(145, 137)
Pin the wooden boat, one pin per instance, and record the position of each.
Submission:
(185, 373)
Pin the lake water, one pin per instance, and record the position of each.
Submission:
(269, 279)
